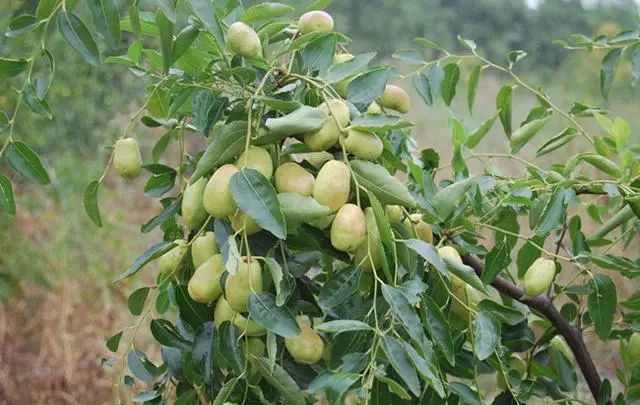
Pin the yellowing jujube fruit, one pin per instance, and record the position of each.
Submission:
(307, 347)
(332, 185)
(238, 287)
(337, 112)
(367, 255)
(173, 261)
(243, 40)
(539, 277)
(468, 296)
(394, 213)
(634, 347)
(223, 312)
(127, 159)
(293, 178)
(315, 21)
(395, 98)
(204, 285)
(422, 229)
(516, 363)
(317, 159)
(193, 211)
(348, 230)
(258, 159)
(203, 247)
(217, 198)
(342, 57)
(241, 220)
(448, 252)
(364, 145)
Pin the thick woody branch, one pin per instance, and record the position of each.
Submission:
(543, 304)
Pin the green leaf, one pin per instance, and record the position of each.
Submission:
(284, 106)
(207, 110)
(12, 67)
(149, 255)
(367, 87)
(426, 369)
(553, 213)
(298, 208)
(446, 200)
(26, 162)
(401, 364)
(318, 54)
(502, 313)
(448, 85)
(225, 392)
(496, 260)
(106, 19)
(203, 9)
(301, 121)
(467, 274)
(141, 367)
(341, 71)
(78, 36)
(279, 320)
(396, 388)
(7, 201)
(379, 123)
(265, 11)
(166, 39)
(45, 8)
(487, 335)
(168, 212)
(319, 5)
(525, 133)
(479, 133)
(423, 86)
(227, 142)
(35, 104)
(277, 377)
(603, 164)
(381, 183)
(161, 181)
(557, 141)
(474, 79)
(503, 104)
(282, 280)
(22, 25)
(342, 285)
(90, 202)
(467, 395)
(608, 70)
(134, 19)
(635, 65)
(187, 398)
(136, 300)
(228, 337)
(183, 41)
(602, 304)
(403, 311)
(255, 195)
(438, 327)
(114, 341)
(429, 253)
(167, 334)
(342, 325)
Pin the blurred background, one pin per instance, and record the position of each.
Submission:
(57, 303)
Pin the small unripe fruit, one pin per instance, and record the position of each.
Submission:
(634, 347)
(348, 230)
(516, 363)
(315, 21)
(217, 198)
(241, 220)
(255, 347)
(307, 347)
(333, 184)
(127, 159)
(337, 112)
(394, 213)
(341, 58)
(243, 40)
(557, 346)
(193, 211)
(539, 277)
(422, 229)
(468, 296)
(368, 253)
(258, 159)
(204, 285)
(374, 108)
(172, 262)
(363, 144)
(223, 312)
(203, 247)
(449, 253)
(395, 98)
(238, 287)
(293, 178)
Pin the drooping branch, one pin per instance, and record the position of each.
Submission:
(543, 304)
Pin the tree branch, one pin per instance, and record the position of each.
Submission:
(543, 304)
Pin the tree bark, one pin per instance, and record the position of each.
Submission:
(543, 304)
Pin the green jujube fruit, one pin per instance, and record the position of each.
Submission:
(348, 229)
(337, 112)
(127, 159)
(247, 279)
(634, 347)
(316, 159)
(422, 229)
(514, 362)
(292, 178)
(333, 184)
(203, 247)
(394, 213)
(341, 58)
(367, 255)
(258, 159)
(450, 253)
(193, 211)
(243, 40)
(363, 145)
(240, 220)
(558, 346)
(539, 277)
(173, 261)
(204, 285)
(224, 312)
(307, 347)
(468, 297)
(315, 21)
(395, 98)
(217, 198)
